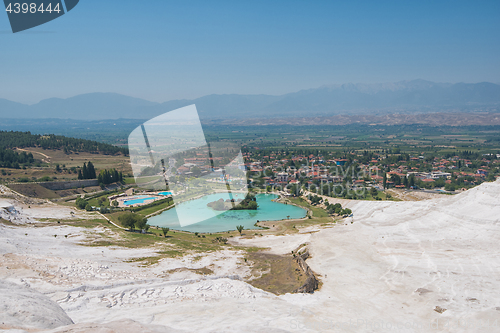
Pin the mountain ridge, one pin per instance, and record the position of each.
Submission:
(328, 100)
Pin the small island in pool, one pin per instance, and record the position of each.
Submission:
(249, 203)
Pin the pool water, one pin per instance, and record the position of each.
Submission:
(138, 200)
(268, 211)
(165, 193)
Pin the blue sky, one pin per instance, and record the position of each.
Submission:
(162, 50)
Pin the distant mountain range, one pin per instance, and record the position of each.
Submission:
(401, 97)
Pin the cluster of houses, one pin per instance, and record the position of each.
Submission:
(282, 170)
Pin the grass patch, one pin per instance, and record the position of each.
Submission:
(83, 223)
(129, 181)
(145, 261)
(34, 190)
(274, 273)
(201, 271)
(6, 222)
(317, 212)
(154, 209)
(175, 244)
(95, 201)
(114, 217)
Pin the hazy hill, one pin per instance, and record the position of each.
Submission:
(399, 97)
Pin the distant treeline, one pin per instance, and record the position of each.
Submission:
(105, 177)
(109, 176)
(87, 172)
(26, 139)
(14, 160)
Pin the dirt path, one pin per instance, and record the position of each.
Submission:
(113, 223)
(35, 152)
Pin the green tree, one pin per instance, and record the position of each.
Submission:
(141, 223)
(449, 187)
(85, 172)
(325, 189)
(81, 203)
(91, 171)
(396, 179)
(129, 220)
(346, 211)
(440, 182)
(196, 171)
(295, 190)
(240, 228)
(411, 180)
(252, 205)
(165, 230)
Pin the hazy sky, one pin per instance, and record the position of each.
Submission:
(161, 50)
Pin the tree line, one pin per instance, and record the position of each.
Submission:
(11, 139)
(109, 176)
(105, 177)
(15, 160)
(87, 171)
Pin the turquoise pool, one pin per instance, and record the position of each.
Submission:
(138, 200)
(268, 211)
(165, 193)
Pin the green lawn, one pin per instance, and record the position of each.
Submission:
(317, 212)
(154, 209)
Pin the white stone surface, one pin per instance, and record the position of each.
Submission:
(24, 308)
(387, 271)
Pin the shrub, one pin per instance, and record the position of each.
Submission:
(133, 221)
(220, 240)
(81, 203)
(240, 228)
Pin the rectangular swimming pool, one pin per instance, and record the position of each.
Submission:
(139, 200)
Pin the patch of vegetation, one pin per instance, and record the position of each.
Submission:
(146, 261)
(34, 190)
(317, 212)
(15, 160)
(152, 207)
(276, 274)
(83, 223)
(6, 222)
(249, 203)
(201, 271)
(26, 139)
(133, 221)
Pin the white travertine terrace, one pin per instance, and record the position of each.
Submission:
(422, 266)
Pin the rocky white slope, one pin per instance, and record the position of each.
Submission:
(425, 266)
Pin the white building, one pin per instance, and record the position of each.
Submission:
(282, 177)
(437, 175)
